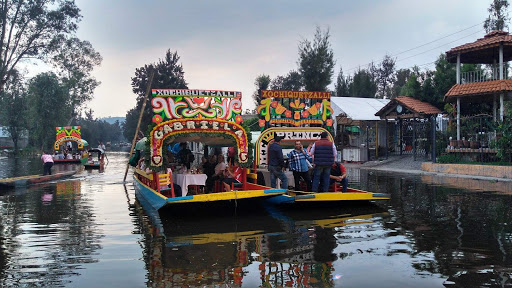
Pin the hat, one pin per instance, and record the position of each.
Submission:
(278, 139)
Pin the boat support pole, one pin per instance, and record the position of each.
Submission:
(148, 88)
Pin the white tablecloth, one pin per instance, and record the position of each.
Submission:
(188, 179)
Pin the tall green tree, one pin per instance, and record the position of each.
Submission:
(169, 74)
(316, 61)
(363, 84)
(401, 77)
(291, 82)
(13, 104)
(443, 80)
(75, 60)
(33, 29)
(498, 16)
(48, 109)
(412, 87)
(342, 85)
(261, 82)
(385, 77)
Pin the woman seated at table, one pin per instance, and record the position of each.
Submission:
(233, 174)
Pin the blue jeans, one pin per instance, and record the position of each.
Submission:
(277, 172)
(321, 172)
(344, 183)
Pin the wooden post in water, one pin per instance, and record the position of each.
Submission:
(150, 82)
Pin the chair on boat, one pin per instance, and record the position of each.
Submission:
(165, 180)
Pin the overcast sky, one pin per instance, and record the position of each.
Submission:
(225, 45)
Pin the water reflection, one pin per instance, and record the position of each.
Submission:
(268, 249)
(42, 242)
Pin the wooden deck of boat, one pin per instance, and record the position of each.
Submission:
(32, 179)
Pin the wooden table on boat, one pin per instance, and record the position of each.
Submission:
(188, 179)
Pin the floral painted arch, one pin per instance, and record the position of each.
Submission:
(200, 128)
(78, 141)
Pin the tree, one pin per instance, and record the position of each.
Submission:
(33, 29)
(412, 87)
(76, 59)
(49, 108)
(385, 76)
(498, 16)
(402, 75)
(12, 109)
(262, 82)
(342, 87)
(316, 61)
(363, 84)
(291, 82)
(443, 80)
(169, 74)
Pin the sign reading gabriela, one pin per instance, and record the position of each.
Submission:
(197, 125)
(68, 133)
(204, 112)
(186, 103)
(299, 108)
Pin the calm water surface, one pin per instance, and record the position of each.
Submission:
(90, 231)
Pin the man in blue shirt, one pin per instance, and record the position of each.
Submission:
(276, 164)
(298, 161)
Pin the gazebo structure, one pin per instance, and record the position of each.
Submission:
(476, 87)
(416, 124)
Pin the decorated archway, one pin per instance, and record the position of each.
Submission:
(202, 128)
(291, 134)
(68, 133)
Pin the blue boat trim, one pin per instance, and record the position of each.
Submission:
(270, 191)
(380, 195)
(180, 198)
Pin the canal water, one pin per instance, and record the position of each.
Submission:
(90, 231)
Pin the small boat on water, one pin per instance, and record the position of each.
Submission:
(33, 179)
(311, 199)
(95, 159)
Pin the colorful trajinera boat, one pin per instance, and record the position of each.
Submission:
(210, 117)
(302, 108)
(68, 134)
(33, 179)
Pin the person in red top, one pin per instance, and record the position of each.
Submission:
(233, 175)
(231, 155)
(339, 174)
(47, 163)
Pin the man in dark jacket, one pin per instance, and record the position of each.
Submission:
(276, 164)
(324, 153)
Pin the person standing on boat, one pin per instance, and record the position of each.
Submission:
(324, 153)
(339, 174)
(47, 163)
(276, 164)
(299, 166)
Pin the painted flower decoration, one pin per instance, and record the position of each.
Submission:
(328, 122)
(305, 114)
(297, 105)
(238, 119)
(262, 122)
(288, 114)
(318, 105)
(274, 104)
(157, 119)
